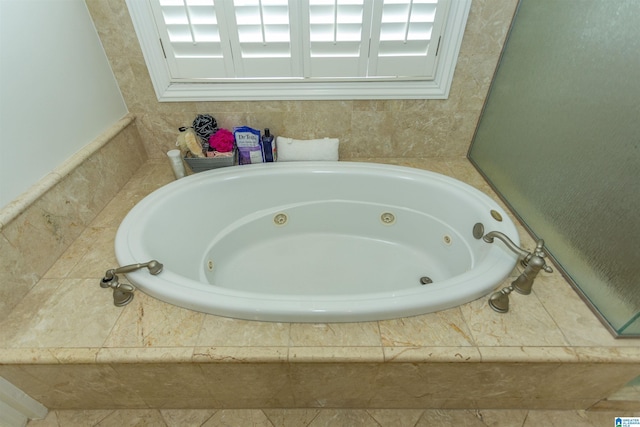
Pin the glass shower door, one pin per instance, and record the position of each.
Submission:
(559, 138)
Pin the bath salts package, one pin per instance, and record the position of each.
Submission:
(249, 145)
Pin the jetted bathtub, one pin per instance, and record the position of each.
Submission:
(316, 242)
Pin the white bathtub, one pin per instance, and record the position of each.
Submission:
(316, 242)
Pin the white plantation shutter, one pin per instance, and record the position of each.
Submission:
(285, 39)
(336, 42)
(218, 39)
(406, 38)
(300, 49)
(263, 38)
(193, 41)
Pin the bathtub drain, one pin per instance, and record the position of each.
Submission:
(425, 280)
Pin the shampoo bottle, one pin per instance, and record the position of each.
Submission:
(268, 147)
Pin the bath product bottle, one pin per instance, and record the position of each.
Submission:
(176, 163)
(268, 147)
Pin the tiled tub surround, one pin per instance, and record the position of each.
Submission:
(367, 128)
(66, 345)
(39, 226)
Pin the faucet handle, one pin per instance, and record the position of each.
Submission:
(540, 251)
(540, 254)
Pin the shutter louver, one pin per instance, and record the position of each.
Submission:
(407, 38)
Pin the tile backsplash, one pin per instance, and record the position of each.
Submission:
(377, 128)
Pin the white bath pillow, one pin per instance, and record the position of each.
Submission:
(289, 149)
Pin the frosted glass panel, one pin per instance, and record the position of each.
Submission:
(560, 140)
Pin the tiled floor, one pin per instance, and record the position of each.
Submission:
(327, 417)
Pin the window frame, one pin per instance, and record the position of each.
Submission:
(250, 90)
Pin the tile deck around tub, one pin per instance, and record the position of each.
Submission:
(68, 318)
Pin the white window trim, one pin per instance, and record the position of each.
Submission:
(168, 91)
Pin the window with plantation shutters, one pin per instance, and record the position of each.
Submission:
(299, 49)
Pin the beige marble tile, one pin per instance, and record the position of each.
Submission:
(587, 381)
(133, 418)
(436, 417)
(474, 72)
(502, 418)
(82, 418)
(186, 417)
(344, 385)
(431, 354)
(618, 406)
(534, 404)
(240, 355)
(487, 26)
(79, 263)
(18, 271)
(577, 322)
(556, 418)
(231, 417)
(344, 418)
(48, 356)
(336, 354)
(303, 124)
(74, 355)
(157, 384)
(371, 135)
(17, 356)
(305, 417)
(61, 313)
(413, 385)
(291, 417)
(335, 334)
(78, 386)
(526, 324)
(528, 354)
(630, 391)
(148, 322)
(145, 355)
(223, 331)
(444, 328)
(248, 385)
(395, 417)
(24, 201)
(50, 223)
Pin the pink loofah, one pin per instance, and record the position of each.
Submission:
(222, 141)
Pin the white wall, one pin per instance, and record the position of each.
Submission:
(57, 90)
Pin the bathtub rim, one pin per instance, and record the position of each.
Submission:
(188, 293)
